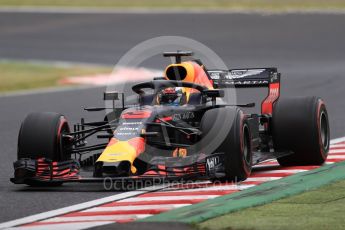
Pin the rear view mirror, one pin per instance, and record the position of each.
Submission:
(114, 96)
(214, 93)
(111, 96)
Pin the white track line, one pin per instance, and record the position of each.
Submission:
(65, 226)
(337, 140)
(96, 218)
(77, 207)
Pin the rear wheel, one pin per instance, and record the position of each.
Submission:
(41, 136)
(301, 125)
(236, 145)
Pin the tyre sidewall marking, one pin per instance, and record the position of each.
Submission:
(62, 122)
(321, 109)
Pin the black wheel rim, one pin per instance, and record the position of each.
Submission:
(324, 130)
(246, 145)
(63, 143)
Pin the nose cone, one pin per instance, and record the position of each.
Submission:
(118, 151)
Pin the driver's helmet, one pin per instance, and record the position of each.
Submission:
(171, 96)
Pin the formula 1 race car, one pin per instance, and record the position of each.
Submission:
(180, 128)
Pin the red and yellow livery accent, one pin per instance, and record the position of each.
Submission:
(118, 151)
(188, 71)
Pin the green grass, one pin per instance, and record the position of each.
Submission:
(208, 4)
(17, 75)
(318, 209)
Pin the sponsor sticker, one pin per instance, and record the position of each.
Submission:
(183, 116)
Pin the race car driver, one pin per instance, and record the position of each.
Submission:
(172, 97)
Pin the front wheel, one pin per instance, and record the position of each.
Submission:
(41, 136)
(236, 145)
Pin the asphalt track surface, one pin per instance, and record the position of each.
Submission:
(307, 49)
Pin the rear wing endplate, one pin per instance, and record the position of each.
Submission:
(252, 77)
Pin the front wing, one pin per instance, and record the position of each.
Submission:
(163, 169)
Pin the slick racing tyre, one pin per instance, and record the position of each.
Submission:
(301, 125)
(40, 136)
(236, 145)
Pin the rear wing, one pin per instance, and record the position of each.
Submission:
(259, 77)
(252, 77)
